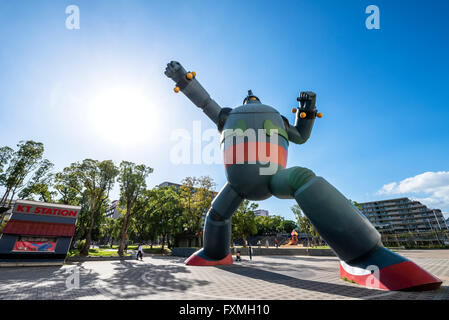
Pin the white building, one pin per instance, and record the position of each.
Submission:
(403, 215)
(112, 210)
(261, 213)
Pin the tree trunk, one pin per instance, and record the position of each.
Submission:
(13, 194)
(5, 197)
(85, 251)
(72, 243)
(163, 243)
(199, 239)
(124, 230)
(123, 236)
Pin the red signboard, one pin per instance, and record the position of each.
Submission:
(46, 209)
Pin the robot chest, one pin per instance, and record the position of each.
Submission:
(254, 138)
(254, 127)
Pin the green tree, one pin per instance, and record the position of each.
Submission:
(40, 184)
(203, 199)
(288, 226)
(197, 195)
(145, 218)
(187, 192)
(244, 221)
(273, 224)
(261, 225)
(19, 164)
(116, 230)
(276, 224)
(107, 229)
(16, 166)
(69, 186)
(139, 221)
(304, 224)
(132, 179)
(5, 154)
(356, 204)
(92, 180)
(163, 214)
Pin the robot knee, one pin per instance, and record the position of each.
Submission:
(297, 177)
(215, 216)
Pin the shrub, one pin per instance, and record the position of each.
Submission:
(80, 245)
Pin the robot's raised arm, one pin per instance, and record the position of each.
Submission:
(187, 83)
(305, 117)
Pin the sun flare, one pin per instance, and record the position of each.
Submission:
(123, 115)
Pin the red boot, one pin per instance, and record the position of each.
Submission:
(199, 258)
(386, 270)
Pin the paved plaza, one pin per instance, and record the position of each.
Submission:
(167, 278)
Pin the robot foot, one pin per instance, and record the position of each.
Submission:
(386, 270)
(199, 258)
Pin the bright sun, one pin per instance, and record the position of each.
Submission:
(123, 115)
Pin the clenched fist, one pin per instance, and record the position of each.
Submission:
(175, 71)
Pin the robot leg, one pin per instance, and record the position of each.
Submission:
(217, 230)
(349, 233)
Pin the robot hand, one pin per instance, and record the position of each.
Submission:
(187, 83)
(307, 100)
(175, 71)
(305, 117)
(307, 106)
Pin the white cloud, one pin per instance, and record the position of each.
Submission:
(432, 186)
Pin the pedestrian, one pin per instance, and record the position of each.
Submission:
(250, 251)
(237, 256)
(276, 243)
(140, 252)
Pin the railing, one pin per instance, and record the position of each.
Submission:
(416, 239)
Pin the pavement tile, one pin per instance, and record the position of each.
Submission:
(167, 278)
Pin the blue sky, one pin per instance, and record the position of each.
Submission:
(383, 92)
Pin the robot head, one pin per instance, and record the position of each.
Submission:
(250, 98)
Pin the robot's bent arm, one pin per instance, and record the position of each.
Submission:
(305, 118)
(187, 83)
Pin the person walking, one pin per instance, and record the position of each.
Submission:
(250, 252)
(140, 252)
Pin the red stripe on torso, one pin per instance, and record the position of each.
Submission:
(253, 152)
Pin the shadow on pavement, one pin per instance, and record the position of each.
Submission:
(285, 266)
(122, 280)
(345, 290)
(133, 280)
(304, 258)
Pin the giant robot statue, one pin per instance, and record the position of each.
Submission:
(256, 169)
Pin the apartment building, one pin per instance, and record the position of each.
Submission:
(403, 215)
(112, 210)
(261, 212)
